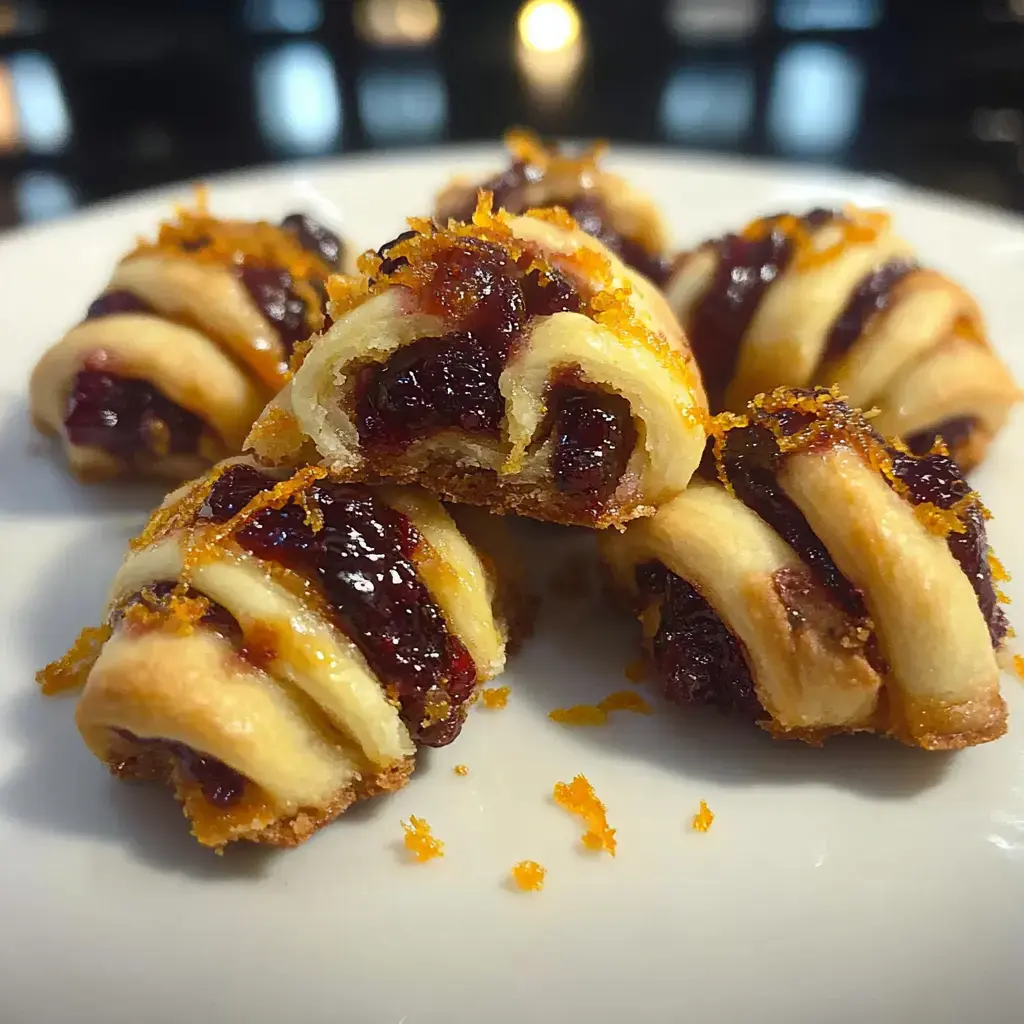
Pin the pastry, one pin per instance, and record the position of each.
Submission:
(603, 205)
(278, 647)
(513, 362)
(822, 581)
(838, 298)
(192, 336)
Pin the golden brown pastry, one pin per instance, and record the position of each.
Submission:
(191, 338)
(513, 362)
(838, 298)
(825, 582)
(278, 647)
(602, 204)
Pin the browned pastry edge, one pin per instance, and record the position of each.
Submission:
(211, 825)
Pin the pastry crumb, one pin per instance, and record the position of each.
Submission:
(702, 819)
(495, 697)
(597, 714)
(578, 797)
(529, 875)
(419, 840)
(461, 769)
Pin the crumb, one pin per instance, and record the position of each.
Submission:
(702, 819)
(529, 875)
(1018, 665)
(578, 797)
(597, 714)
(495, 697)
(419, 841)
(636, 671)
(461, 769)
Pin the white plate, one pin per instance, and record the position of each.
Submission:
(860, 882)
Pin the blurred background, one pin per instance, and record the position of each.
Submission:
(99, 97)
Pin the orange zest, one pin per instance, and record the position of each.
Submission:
(636, 671)
(702, 819)
(461, 769)
(70, 671)
(578, 797)
(1018, 666)
(495, 697)
(529, 875)
(419, 840)
(597, 714)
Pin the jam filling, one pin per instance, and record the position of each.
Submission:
(936, 479)
(362, 558)
(315, 238)
(114, 302)
(271, 291)
(745, 269)
(451, 382)
(954, 432)
(128, 418)
(871, 296)
(220, 784)
(698, 658)
(588, 209)
(216, 617)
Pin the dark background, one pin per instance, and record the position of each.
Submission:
(99, 97)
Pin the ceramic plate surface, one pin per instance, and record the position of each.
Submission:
(860, 882)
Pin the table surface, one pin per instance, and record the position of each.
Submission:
(100, 97)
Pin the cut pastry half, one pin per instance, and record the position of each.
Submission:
(513, 362)
(186, 345)
(825, 582)
(836, 297)
(604, 205)
(277, 647)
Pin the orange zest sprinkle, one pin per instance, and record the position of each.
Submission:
(597, 714)
(702, 819)
(1018, 666)
(419, 840)
(495, 697)
(636, 671)
(70, 671)
(461, 769)
(177, 612)
(529, 875)
(578, 797)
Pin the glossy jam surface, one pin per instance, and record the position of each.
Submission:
(871, 296)
(594, 437)
(697, 657)
(315, 238)
(127, 418)
(115, 302)
(220, 784)
(936, 479)
(745, 269)
(955, 432)
(362, 558)
(271, 291)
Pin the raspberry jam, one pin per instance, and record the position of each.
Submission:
(362, 559)
(315, 238)
(743, 273)
(115, 302)
(271, 291)
(698, 659)
(954, 432)
(871, 296)
(936, 479)
(128, 418)
(452, 381)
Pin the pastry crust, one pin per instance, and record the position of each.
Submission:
(624, 342)
(198, 338)
(284, 700)
(920, 666)
(919, 350)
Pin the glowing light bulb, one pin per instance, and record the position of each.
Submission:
(548, 26)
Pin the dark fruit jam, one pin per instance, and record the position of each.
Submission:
(743, 273)
(871, 296)
(112, 303)
(315, 238)
(128, 418)
(271, 290)
(221, 785)
(955, 432)
(697, 657)
(936, 479)
(594, 438)
(451, 382)
(362, 560)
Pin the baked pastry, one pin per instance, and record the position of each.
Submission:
(602, 204)
(278, 647)
(192, 336)
(836, 297)
(513, 362)
(827, 582)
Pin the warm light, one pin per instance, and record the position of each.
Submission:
(548, 26)
(398, 22)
